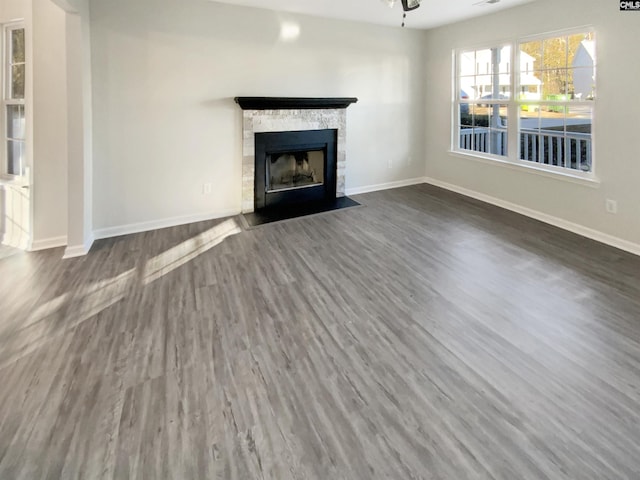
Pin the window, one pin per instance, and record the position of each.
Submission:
(13, 107)
(483, 90)
(553, 106)
(556, 101)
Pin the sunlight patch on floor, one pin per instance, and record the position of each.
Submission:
(49, 320)
(186, 251)
(100, 295)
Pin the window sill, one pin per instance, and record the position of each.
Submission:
(13, 181)
(588, 181)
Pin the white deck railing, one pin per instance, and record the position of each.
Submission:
(484, 140)
(541, 146)
(570, 150)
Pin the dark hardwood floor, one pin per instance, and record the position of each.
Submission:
(421, 336)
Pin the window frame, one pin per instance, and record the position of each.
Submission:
(514, 104)
(8, 101)
(500, 102)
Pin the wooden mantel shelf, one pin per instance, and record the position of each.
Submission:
(293, 103)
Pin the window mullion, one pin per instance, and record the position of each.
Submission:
(513, 129)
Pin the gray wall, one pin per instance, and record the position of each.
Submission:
(164, 77)
(49, 192)
(616, 116)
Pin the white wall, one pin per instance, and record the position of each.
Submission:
(164, 77)
(79, 127)
(15, 205)
(617, 159)
(13, 10)
(49, 189)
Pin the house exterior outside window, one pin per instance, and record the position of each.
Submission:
(13, 100)
(539, 115)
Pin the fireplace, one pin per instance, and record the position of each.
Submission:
(293, 150)
(294, 167)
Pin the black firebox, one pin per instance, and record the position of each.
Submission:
(293, 168)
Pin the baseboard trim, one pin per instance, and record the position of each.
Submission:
(543, 217)
(163, 223)
(46, 243)
(73, 251)
(385, 186)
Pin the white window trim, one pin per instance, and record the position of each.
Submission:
(512, 159)
(6, 102)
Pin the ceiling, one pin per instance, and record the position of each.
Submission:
(432, 13)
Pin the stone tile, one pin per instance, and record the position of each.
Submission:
(248, 147)
(259, 121)
(248, 161)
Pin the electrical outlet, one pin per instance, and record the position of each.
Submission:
(409, 160)
(611, 206)
(206, 188)
(390, 163)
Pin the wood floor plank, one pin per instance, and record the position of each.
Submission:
(423, 335)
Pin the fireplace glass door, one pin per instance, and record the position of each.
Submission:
(292, 170)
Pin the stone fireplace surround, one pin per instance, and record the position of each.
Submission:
(282, 114)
